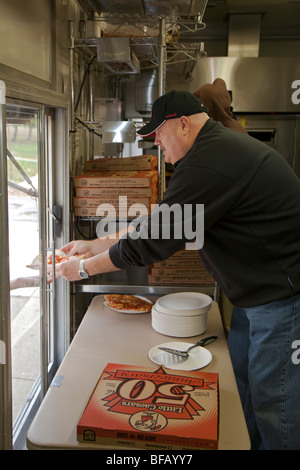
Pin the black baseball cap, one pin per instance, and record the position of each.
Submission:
(170, 106)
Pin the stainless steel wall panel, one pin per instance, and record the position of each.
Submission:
(244, 35)
(281, 129)
(259, 85)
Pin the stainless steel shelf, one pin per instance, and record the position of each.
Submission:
(143, 290)
(146, 50)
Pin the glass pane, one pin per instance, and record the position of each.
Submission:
(22, 169)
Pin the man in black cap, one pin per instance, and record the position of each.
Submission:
(176, 120)
(251, 247)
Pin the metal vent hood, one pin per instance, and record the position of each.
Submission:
(116, 55)
(244, 35)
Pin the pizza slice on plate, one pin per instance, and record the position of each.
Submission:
(128, 302)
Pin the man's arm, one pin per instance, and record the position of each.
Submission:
(95, 253)
(97, 264)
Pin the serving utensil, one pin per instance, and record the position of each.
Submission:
(177, 352)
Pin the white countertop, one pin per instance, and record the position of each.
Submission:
(106, 336)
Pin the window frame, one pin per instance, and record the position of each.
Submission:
(55, 320)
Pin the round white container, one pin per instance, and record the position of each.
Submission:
(183, 303)
(182, 314)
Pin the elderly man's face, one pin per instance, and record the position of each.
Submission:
(170, 137)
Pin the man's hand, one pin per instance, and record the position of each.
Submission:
(97, 264)
(84, 248)
(68, 269)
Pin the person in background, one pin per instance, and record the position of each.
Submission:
(218, 101)
(251, 247)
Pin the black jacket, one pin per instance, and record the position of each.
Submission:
(251, 201)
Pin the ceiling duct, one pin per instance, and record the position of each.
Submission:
(244, 35)
(134, 17)
(144, 8)
(140, 18)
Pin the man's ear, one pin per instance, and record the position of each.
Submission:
(185, 124)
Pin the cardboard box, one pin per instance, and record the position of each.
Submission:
(182, 254)
(141, 162)
(116, 179)
(111, 212)
(181, 272)
(173, 262)
(178, 280)
(152, 408)
(116, 192)
(182, 258)
(122, 201)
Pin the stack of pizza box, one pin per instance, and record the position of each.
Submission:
(121, 187)
(184, 267)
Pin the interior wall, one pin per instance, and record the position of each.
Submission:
(34, 54)
(26, 36)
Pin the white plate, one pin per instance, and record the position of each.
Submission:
(198, 357)
(132, 312)
(183, 303)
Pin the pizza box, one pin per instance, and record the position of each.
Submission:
(181, 254)
(115, 192)
(112, 212)
(118, 202)
(109, 178)
(185, 280)
(173, 263)
(182, 258)
(141, 162)
(179, 271)
(152, 408)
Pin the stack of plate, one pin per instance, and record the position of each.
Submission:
(182, 314)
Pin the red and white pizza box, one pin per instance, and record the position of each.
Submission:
(152, 408)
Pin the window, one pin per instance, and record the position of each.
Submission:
(23, 181)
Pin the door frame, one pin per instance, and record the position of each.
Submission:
(13, 435)
(5, 318)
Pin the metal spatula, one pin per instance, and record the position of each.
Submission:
(177, 352)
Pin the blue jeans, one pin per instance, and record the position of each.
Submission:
(263, 343)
